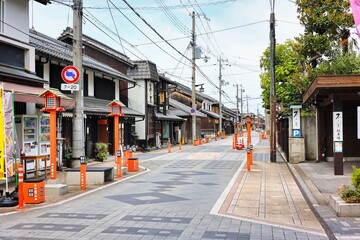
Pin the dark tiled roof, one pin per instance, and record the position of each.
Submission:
(212, 114)
(184, 108)
(20, 74)
(170, 116)
(62, 51)
(144, 70)
(95, 105)
(68, 33)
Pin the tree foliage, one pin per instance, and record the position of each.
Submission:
(326, 24)
(288, 66)
(323, 48)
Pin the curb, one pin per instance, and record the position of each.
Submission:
(308, 196)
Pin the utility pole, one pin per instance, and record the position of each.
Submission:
(247, 104)
(193, 94)
(237, 107)
(272, 89)
(241, 100)
(78, 130)
(220, 107)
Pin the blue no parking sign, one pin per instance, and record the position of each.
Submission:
(296, 133)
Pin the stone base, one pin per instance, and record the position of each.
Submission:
(54, 189)
(344, 209)
(296, 150)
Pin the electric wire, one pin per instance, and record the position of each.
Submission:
(216, 31)
(100, 25)
(152, 28)
(117, 32)
(176, 22)
(166, 52)
(205, 4)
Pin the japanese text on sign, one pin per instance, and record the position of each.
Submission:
(338, 126)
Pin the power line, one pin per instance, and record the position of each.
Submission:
(177, 23)
(216, 31)
(152, 28)
(206, 4)
(98, 23)
(157, 33)
(117, 32)
(166, 52)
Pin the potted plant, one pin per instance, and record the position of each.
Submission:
(134, 136)
(68, 156)
(101, 151)
(351, 194)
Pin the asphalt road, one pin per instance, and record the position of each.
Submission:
(173, 200)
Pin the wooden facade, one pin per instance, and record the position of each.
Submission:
(339, 94)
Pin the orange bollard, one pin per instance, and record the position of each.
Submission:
(179, 145)
(195, 142)
(248, 165)
(118, 164)
(21, 205)
(251, 154)
(82, 173)
(233, 143)
(169, 146)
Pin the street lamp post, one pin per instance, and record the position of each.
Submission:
(116, 112)
(52, 105)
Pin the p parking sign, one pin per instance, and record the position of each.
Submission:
(296, 133)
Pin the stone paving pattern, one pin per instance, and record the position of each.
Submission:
(176, 198)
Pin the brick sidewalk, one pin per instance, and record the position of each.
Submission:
(269, 194)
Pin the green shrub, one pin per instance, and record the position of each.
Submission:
(101, 151)
(355, 179)
(352, 194)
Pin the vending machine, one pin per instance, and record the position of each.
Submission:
(29, 135)
(44, 134)
(44, 139)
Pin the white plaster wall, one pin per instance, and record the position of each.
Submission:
(117, 89)
(91, 90)
(47, 71)
(137, 102)
(17, 15)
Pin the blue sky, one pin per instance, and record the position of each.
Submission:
(241, 46)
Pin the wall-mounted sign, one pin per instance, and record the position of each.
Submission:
(70, 74)
(338, 126)
(296, 121)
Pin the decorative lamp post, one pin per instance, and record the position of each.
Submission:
(52, 105)
(116, 112)
(249, 147)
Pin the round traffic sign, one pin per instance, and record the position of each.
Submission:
(192, 111)
(70, 74)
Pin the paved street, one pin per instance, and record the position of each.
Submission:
(180, 197)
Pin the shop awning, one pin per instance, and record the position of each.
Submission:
(184, 108)
(100, 107)
(211, 114)
(168, 117)
(10, 72)
(30, 94)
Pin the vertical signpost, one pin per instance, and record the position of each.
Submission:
(338, 140)
(338, 131)
(296, 121)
